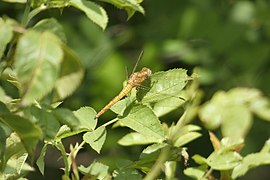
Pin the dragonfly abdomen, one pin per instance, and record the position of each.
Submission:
(123, 93)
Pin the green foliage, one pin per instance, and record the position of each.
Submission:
(39, 71)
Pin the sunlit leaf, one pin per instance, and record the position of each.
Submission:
(237, 121)
(28, 132)
(93, 11)
(196, 173)
(261, 107)
(154, 147)
(66, 131)
(96, 138)
(52, 26)
(37, 62)
(5, 36)
(131, 6)
(86, 116)
(232, 110)
(40, 160)
(143, 120)
(135, 139)
(249, 162)
(163, 85)
(224, 161)
(70, 77)
(186, 138)
(170, 168)
(199, 159)
(97, 169)
(15, 1)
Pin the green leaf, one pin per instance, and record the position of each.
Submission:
(196, 173)
(231, 143)
(28, 132)
(65, 116)
(249, 162)
(37, 62)
(70, 77)
(135, 139)
(167, 105)
(40, 160)
(96, 138)
(86, 116)
(223, 161)
(186, 134)
(266, 147)
(93, 11)
(234, 118)
(65, 132)
(153, 148)
(144, 121)
(15, 1)
(46, 120)
(186, 138)
(97, 169)
(199, 159)
(5, 36)
(163, 85)
(261, 107)
(52, 26)
(130, 6)
(232, 110)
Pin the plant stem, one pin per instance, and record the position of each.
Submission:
(27, 9)
(155, 171)
(110, 122)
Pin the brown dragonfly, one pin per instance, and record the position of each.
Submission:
(164, 85)
(134, 80)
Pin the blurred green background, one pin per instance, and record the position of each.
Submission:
(227, 40)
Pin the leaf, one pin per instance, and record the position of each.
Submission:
(163, 85)
(186, 134)
(97, 169)
(231, 110)
(93, 11)
(199, 159)
(67, 117)
(249, 162)
(15, 1)
(223, 161)
(153, 148)
(5, 36)
(86, 116)
(143, 120)
(37, 63)
(186, 138)
(196, 173)
(65, 132)
(261, 107)
(130, 6)
(28, 132)
(46, 121)
(52, 26)
(40, 160)
(70, 77)
(96, 138)
(237, 121)
(135, 139)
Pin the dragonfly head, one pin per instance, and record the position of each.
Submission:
(146, 71)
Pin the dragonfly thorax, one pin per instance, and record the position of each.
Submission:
(138, 77)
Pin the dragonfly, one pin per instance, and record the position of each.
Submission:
(134, 80)
(170, 83)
